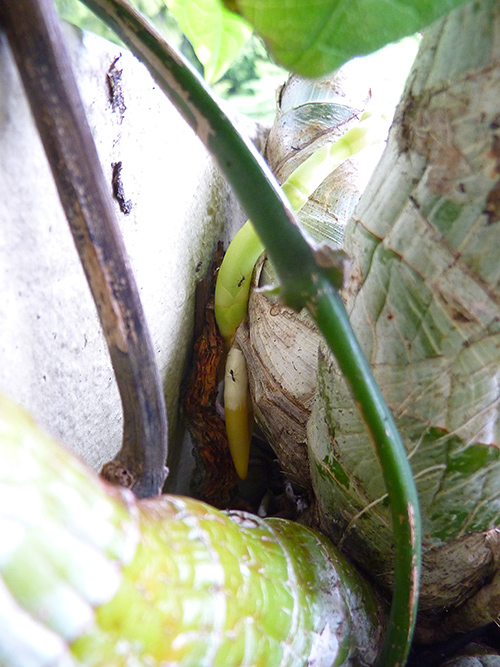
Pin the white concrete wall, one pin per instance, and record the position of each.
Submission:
(53, 358)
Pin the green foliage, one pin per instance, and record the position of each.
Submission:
(215, 33)
(75, 12)
(313, 38)
(251, 81)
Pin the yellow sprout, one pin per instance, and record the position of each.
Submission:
(237, 410)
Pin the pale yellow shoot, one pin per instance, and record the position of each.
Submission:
(237, 412)
(309, 175)
(233, 283)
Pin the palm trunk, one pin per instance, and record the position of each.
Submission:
(424, 301)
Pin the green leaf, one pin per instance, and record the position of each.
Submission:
(315, 37)
(216, 34)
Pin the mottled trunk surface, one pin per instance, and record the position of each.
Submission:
(424, 301)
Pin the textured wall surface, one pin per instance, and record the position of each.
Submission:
(53, 359)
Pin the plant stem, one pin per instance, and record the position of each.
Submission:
(331, 317)
(302, 282)
(235, 273)
(232, 288)
(35, 38)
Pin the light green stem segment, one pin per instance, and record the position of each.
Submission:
(233, 282)
(91, 576)
(308, 176)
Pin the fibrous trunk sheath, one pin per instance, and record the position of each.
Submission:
(424, 301)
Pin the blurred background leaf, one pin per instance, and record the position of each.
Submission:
(215, 33)
(314, 38)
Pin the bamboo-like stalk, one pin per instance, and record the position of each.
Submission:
(89, 575)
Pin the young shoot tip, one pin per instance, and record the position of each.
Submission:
(237, 410)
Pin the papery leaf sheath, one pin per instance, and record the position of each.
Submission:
(424, 302)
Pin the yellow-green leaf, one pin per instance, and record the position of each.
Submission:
(215, 33)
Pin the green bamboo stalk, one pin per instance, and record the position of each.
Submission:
(90, 575)
(302, 281)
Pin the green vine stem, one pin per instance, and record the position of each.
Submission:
(303, 282)
(331, 317)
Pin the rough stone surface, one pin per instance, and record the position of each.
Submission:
(53, 358)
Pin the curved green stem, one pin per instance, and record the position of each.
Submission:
(238, 158)
(331, 317)
(232, 288)
(233, 280)
(302, 281)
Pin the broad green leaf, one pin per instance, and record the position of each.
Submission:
(216, 34)
(317, 36)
